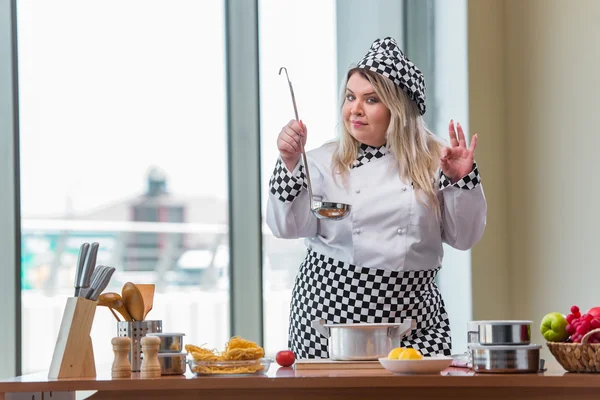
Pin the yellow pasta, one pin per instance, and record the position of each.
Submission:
(215, 369)
(244, 354)
(237, 342)
(241, 349)
(202, 354)
(237, 349)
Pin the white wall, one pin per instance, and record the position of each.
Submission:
(546, 194)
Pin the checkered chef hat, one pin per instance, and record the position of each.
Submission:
(385, 58)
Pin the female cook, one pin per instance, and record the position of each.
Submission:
(408, 193)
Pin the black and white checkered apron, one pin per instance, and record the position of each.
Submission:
(341, 293)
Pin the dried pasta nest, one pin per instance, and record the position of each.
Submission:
(237, 349)
(241, 349)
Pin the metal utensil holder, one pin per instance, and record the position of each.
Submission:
(136, 330)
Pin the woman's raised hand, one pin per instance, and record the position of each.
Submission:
(457, 160)
(288, 143)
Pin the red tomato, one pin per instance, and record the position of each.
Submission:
(285, 358)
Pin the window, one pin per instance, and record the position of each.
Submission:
(125, 124)
(123, 142)
(310, 58)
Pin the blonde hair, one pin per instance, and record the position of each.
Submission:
(416, 148)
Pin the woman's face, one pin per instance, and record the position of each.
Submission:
(365, 116)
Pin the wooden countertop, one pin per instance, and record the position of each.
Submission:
(316, 384)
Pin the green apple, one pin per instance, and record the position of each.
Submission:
(554, 327)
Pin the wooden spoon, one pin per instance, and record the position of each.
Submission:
(114, 301)
(134, 302)
(147, 291)
(112, 312)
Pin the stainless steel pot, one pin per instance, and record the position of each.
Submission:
(362, 341)
(501, 332)
(169, 342)
(506, 359)
(472, 333)
(172, 363)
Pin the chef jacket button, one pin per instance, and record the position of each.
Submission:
(404, 189)
(400, 231)
(357, 231)
(357, 190)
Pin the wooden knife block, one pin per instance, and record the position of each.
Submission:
(74, 355)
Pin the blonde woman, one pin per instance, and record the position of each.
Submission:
(409, 194)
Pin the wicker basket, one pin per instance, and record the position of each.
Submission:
(577, 357)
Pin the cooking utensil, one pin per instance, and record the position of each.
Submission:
(90, 265)
(83, 250)
(100, 282)
(108, 273)
(136, 330)
(147, 291)
(105, 301)
(321, 209)
(504, 332)
(506, 359)
(84, 292)
(472, 333)
(169, 342)
(115, 302)
(134, 302)
(99, 273)
(362, 341)
(172, 364)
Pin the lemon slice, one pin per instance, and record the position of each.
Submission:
(395, 353)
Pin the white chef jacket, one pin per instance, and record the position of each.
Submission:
(387, 227)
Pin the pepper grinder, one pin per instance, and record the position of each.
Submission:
(150, 365)
(121, 367)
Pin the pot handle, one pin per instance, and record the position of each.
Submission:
(318, 325)
(403, 329)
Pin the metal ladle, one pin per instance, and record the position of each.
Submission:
(321, 209)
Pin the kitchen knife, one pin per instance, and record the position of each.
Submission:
(94, 281)
(101, 283)
(83, 250)
(90, 264)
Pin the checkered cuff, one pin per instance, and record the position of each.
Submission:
(284, 184)
(468, 182)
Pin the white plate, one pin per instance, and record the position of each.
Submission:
(427, 365)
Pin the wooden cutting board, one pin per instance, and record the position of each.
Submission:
(324, 363)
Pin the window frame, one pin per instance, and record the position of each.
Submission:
(244, 171)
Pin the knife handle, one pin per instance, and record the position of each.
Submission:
(90, 265)
(83, 250)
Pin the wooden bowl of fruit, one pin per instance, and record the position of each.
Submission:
(574, 340)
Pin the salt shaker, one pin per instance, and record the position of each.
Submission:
(121, 367)
(150, 364)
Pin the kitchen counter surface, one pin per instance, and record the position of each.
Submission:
(287, 383)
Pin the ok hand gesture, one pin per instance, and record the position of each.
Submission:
(457, 160)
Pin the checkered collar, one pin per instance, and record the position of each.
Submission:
(368, 153)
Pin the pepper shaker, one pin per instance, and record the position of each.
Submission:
(121, 367)
(150, 364)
